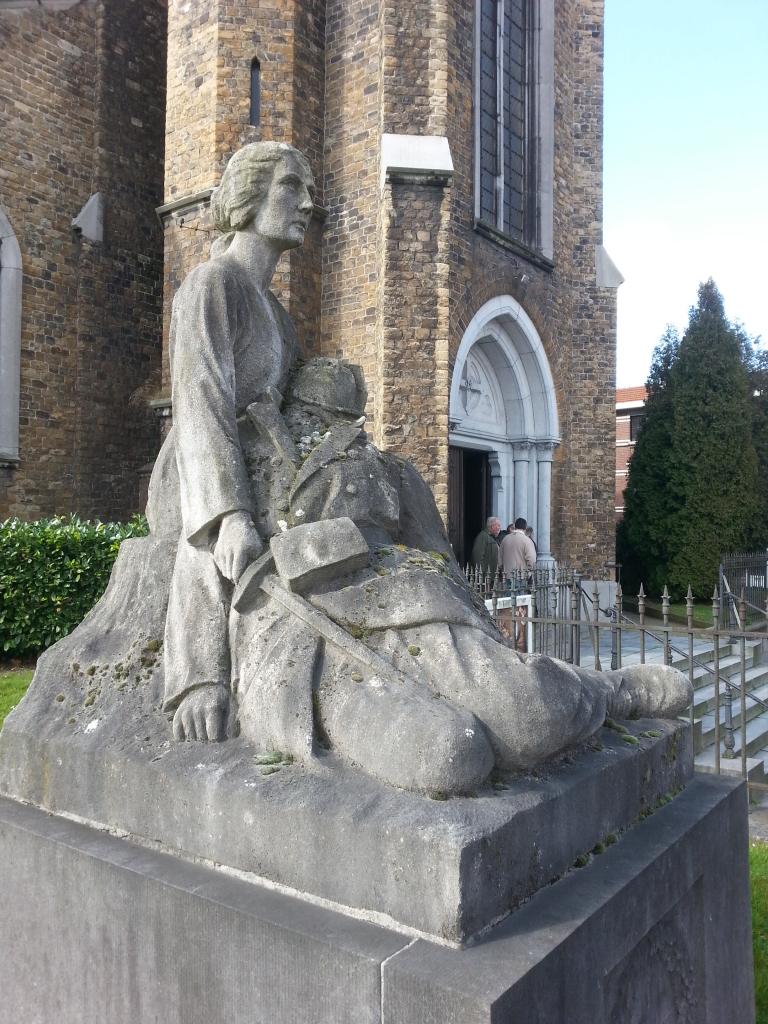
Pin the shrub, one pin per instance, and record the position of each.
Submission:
(52, 572)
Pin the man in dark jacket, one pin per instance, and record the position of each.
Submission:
(485, 550)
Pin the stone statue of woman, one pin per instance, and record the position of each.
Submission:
(231, 345)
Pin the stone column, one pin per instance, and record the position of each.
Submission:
(544, 455)
(497, 486)
(522, 457)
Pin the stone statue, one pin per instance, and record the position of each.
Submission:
(298, 591)
(358, 658)
(231, 348)
(290, 678)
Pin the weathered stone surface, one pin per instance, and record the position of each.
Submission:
(655, 928)
(106, 931)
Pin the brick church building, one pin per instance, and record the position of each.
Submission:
(455, 252)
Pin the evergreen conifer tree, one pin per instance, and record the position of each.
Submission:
(758, 537)
(692, 491)
(713, 476)
(641, 544)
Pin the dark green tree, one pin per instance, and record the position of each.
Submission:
(692, 491)
(641, 545)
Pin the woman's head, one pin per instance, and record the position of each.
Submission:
(246, 181)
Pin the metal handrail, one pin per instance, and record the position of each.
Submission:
(691, 657)
(560, 608)
(744, 601)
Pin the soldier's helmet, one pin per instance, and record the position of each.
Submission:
(330, 384)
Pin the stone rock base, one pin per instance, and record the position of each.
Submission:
(656, 928)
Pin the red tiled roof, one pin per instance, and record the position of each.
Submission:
(638, 394)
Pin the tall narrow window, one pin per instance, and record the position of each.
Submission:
(10, 342)
(507, 186)
(255, 92)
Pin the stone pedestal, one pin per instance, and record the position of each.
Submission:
(100, 928)
(444, 869)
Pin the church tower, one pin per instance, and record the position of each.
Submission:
(456, 249)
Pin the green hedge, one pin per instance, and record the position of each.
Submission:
(52, 572)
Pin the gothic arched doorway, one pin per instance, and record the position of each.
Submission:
(503, 427)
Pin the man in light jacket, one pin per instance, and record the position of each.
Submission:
(517, 550)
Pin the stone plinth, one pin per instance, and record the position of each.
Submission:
(447, 869)
(101, 929)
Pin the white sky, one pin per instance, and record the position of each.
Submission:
(686, 164)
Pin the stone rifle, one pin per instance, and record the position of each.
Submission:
(329, 549)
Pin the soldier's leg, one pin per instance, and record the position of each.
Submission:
(532, 707)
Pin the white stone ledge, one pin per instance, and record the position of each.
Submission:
(421, 155)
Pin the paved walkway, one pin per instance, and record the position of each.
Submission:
(630, 645)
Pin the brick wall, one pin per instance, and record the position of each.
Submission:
(412, 376)
(352, 252)
(81, 110)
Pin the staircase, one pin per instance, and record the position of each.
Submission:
(752, 732)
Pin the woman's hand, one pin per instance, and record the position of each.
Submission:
(237, 546)
(201, 714)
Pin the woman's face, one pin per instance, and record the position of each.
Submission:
(283, 216)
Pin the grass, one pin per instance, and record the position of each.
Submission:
(13, 686)
(678, 615)
(758, 869)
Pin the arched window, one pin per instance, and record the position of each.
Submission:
(255, 92)
(10, 342)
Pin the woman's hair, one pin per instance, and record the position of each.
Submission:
(244, 184)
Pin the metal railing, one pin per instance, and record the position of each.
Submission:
(744, 573)
(556, 611)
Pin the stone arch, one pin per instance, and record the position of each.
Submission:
(503, 402)
(10, 342)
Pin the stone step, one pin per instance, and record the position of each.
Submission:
(703, 656)
(704, 726)
(756, 739)
(705, 762)
(703, 652)
(755, 680)
(727, 665)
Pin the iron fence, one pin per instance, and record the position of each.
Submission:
(556, 611)
(743, 576)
